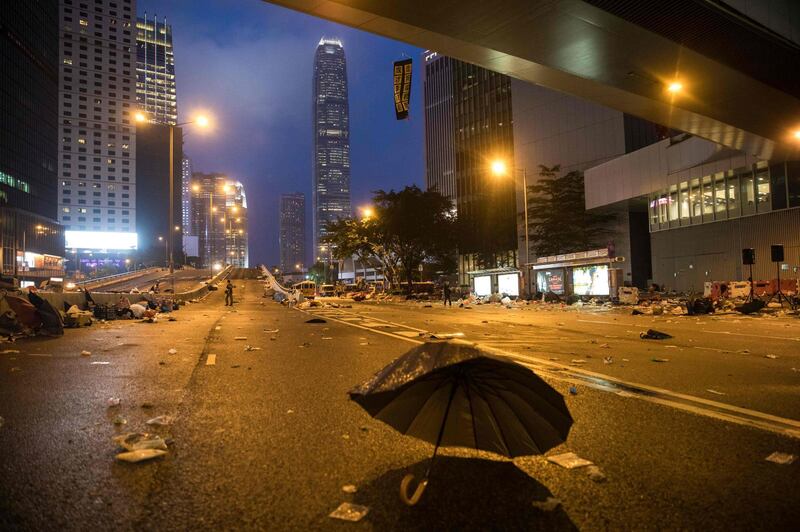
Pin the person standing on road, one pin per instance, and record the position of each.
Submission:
(446, 292)
(229, 294)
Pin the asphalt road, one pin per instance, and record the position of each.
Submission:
(265, 439)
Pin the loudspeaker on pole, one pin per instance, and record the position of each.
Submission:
(748, 256)
(777, 252)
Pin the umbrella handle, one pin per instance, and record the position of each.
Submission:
(417, 495)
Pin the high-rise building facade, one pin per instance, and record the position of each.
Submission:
(219, 219)
(186, 196)
(468, 124)
(293, 232)
(331, 180)
(31, 241)
(96, 154)
(155, 70)
(152, 203)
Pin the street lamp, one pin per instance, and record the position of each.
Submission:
(499, 168)
(202, 122)
(166, 249)
(367, 213)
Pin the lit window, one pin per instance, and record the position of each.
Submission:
(84, 22)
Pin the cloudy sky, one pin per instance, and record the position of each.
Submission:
(249, 64)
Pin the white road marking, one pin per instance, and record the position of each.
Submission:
(211, 360)
(599, 381)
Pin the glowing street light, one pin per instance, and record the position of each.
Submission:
(367, 212)
(499, 167)
(196, 187)
(797, 134)
(675, 87)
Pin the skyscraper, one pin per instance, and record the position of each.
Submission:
(186, 196)
(293, 231)
(155, 70)
(31, 241)
(467, 124)
(97, 152)
(331, 182)
(219, 218)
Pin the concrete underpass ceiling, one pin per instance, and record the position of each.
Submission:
(579, 49)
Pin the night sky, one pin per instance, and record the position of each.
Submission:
(249, 64)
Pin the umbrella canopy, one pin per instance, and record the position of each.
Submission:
(456, 394)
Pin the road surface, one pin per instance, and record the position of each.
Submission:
(185, 280)
(266, 439)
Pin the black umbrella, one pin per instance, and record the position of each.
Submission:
(456, 394)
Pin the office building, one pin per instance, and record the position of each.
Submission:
(705, 203)
(219, 219)
(468, 123)
(155, 70)
(152, 203)
(293, 232)
(186, 195)
(331, 179)
(31, 240)
(97, 148)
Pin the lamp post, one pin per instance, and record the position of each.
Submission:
(166, 249)
(201, 121)
(500, 168)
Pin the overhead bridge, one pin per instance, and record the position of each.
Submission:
(735, 81)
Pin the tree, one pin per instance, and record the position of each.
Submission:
(557, 217)
(409, 227)
(416, 226)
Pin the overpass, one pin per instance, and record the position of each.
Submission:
(734, 80)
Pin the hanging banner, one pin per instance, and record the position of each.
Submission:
(402, 88)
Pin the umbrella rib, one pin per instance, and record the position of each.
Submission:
(471, 413)
(442, 382)
(511, 408)
(497, 422)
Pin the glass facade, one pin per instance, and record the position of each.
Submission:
(219, 219)
(155, 70)
(331, 186)
(742, 192)
(293, 232)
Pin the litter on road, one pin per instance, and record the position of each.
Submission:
(114, 401)
(172, 351)
(773, 357)
(349, 512)
(715, 392)
(316, 320)
(547, 505)
(99, 363)
(781, 458)
(140, 455)
(608, 360)
(349, 488)
(595, 474)
(86, 353)
(659, 360)
(211, 360)
(160, 421)
(240, 337)
(249, 347)
(573, 390)
(134, 441)
(119, 420)
(569, 460)
(652, 334)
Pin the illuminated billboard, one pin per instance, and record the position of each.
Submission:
(590, 280)
(508, 283)
(100, 240)
(483, 285)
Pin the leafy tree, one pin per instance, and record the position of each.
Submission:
(558, 221)
(416, 226)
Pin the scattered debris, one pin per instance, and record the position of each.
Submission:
(715, 392)
(652, 334)
(160, 421)
(316, 320)
(349, 488)
(134, 441)
(773, 357)
(119, 420)
(305, 344)
(659, 360)
(99, 363)
(327, 338)
(240, 337)
(577, 361)
(781, 458)
(349, 512)
(211, 360)
(547, 505)
(249, 347)
(140, 455)
(86, 353)
(596, 474)
(172, 351)
(608, 360)
(9, 351)
(290, 411)
(605, 346)
(442, 336)
(569, 460)
(271, 331)
(147, 405)
(114, 401)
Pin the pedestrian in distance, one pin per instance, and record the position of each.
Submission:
(446, 293)
(229, 294)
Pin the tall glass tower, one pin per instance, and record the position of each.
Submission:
(155, 70)
(331, 186)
